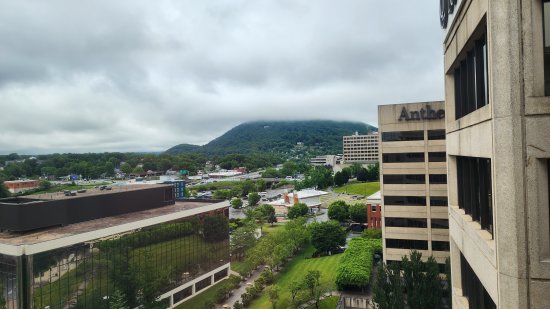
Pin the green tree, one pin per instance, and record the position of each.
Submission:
(253, 199)
(237, 203)
(45, 185)
(271, 173)
(449, 279)
(338, 211)
(346, 174)
(295, 287)
(273, 293)
(271, 219)
(354, 168)
(387, 289)
(242, 239)
(362, 174)
(4, 192)
(138, 170)
(238, 305)
(116, 301)
(327, 236)
(297, 210)
(373, 172)
(338, 179)
(126, 168)
(358, 213)
(260, 185)
(372, 233)
(248, 186)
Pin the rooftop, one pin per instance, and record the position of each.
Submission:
(183, 208)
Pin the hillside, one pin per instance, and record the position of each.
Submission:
(317, 136)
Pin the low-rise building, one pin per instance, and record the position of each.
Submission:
(312, 198)
(16, 186)
(327, 160)
(134, 242)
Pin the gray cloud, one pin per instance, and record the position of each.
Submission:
(139, 75)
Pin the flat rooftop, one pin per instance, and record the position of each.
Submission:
(54, 233)
(89, 192)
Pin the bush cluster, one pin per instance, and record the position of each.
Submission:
(355, 266)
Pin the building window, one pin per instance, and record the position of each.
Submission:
(437, 157)
(478, 298)
(206, 282)
(471, 79)
(406, 222)
(407, 244)
(220, 274)
(405, 179)
(403, 136)
(474, 189)
(438, 201)
(169, 194)
(440, 246)
(405, 200)
(403, 157)
(436, 134)
(546, 31)
(439, 224)
(438, 179)
(183, 294)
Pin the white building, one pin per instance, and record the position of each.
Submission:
(327, 160)
(312, 198)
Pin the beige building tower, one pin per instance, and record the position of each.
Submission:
(360, 148)
(497, 94)
(413, 180)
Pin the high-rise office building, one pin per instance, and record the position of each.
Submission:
(361, 148)
(497, 96)
(413, 180)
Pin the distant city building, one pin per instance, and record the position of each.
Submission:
(413, 180)
(361, 148)
(179, 188)
(16, 186)
(79, 251)
(327, 160)
(312, 198)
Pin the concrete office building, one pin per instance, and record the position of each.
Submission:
(361, 148)
(413, 181)
(497, 94)
(136, 242)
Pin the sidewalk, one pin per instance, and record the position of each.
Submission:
(242, 289)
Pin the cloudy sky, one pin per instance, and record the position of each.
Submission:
(79, 76)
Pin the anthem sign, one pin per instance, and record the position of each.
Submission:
(423, 114)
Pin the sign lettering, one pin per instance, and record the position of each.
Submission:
(422, 114)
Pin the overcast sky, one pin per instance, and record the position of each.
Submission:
(94, 76)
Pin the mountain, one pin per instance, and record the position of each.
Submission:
(319, 136)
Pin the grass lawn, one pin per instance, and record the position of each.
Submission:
(199, 300)
(359, 188)
(327, 303)
(296, 271)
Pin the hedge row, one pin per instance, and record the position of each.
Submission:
(356, 264)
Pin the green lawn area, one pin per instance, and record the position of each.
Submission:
(327, 303)
(295, 271)
(359, 188)
(199, 300)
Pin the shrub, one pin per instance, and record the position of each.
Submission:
(338, 211)
(372, 234)
(267, 276)
(238, 305)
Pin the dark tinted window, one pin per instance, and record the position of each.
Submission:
(471, 80)
(436, 134)
(203, 284)
(440, 224)
(405, 179)
(405, 200)
(440, 246)
(472, 288)
(407, 244)
(183, 294)
(474, 189)
(438, 201)
(403, 136)
(437, 179)
(437, 157)
(220, 275)
(405, 222)
(403, 157)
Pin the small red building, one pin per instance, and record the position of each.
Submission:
(17, 186)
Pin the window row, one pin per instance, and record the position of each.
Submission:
(414, 179)
(412, 135)
(415, 200)
(416, 222)
(474, 189)
(410, 157)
